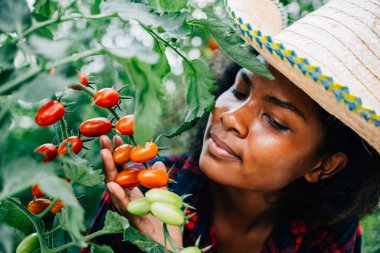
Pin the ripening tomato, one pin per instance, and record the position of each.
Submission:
(38, 205)
(139, 207)
(95, 127)
(57, 207)
(125, 125)
(143, 154)
(83, 80)
(29, 244)
(153, 178)
(212, 45)
(106, 98)
(76, 146)
(191, 249)
(127, 178)
(122, 153)
(50, 113)
(48, 150)
(36, 191)
(164, 196)
(167, 213)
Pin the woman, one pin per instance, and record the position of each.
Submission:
(277, 173)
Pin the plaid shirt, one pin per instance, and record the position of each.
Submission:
(286, 236)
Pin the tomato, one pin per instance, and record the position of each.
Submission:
(29, 245)
(125, 125)
(50, 113)
(127, 178)
(48, 150)
(167, 213)
(106, 98)
(163, 196)
(38, 205)
(153, 178)
(83, 80)
(213, 45)
(95, 127)
(122, 153)
(57, 207)
(139, 207)
(191, 250)
(36, 191)
(76, 146)
(140, 154)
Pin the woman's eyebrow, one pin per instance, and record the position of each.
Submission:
(246, 79)
(286, 105)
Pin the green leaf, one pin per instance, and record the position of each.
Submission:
(162, 67)
(115, 223)
(50, 49)
(9, 239)
(45, 8)
(79, 171)
(6, 102)
(43, 31)
(12, 216)
(7, 56)
(142, 241)
(100, 248)
(95, 7)
(167, 5)
(198, 97)
(15, 16)
(233, 45)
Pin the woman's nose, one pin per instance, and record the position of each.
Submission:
(235, 121)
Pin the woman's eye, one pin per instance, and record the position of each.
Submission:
(237, 94)
(275, 124)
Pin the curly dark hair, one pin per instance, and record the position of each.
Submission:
(351, 193)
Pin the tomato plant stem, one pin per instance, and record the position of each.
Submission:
(63, 128)
(47, 209)
(168, 236)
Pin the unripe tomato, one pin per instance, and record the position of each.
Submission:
(48, 150)
(153, 178)
(50, 113)
(167, 213)
(125, 125)
(122, 153)
(83, 80)
(139, 207)
(29, 245)
(106, 98)
(57, 207)
(38, 205)
(36, 191)
(163, 196)
(191, 250)
(95, 127)
(127, 178)
(76, 146)
(140, 154)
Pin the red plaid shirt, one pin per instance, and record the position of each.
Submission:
(286, 236)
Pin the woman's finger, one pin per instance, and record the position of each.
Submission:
(160, 166)
(117, 141)
(121, 197)
(110, 170)
(105, 143)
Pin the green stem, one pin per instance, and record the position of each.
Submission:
(175, 248)
(47, 209)
(33, 219)
(63, 128)
(54, 229)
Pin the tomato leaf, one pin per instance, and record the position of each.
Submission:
(7, 56)
(15, 16)
(233, 45)
(162, 67)
(51, 49)
(45, 8)
(14, 217)
(167, 5)
(100, 248)
(5, 118)
(143, 242)
(79, 171)
(115, 223)
(198, 97)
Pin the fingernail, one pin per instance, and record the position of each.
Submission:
(101, 141)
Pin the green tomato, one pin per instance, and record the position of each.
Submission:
(167, 213)
(139, 207)
(163, 196)
(29, 244)
(191, 250)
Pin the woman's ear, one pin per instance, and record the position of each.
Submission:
(327, 167)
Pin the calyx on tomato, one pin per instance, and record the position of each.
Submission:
(95, 127)
(48, 150)
(106, 98)
(50, 113)
(127, 178)
(153, 178)
(121, 155)
(125, 125)
(143, 154)
(76, 146)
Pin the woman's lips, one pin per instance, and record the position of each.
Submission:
(220, 149)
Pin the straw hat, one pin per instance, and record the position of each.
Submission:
(332, 54)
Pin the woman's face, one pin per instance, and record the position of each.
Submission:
(262, 134)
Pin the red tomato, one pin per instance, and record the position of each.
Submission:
(122, 153)
(36, 191)
(83, 80)
(125, 125)
(76, 146)
(38, 205)
(153, 178)
(127, 178)
(48, 150)
(106, 98)
(50, 113)
(95, 127)
(140, 154)
(57, 207)
(213, 45)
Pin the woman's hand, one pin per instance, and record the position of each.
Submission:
(120, 197)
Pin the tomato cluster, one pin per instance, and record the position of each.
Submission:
(150, 178)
